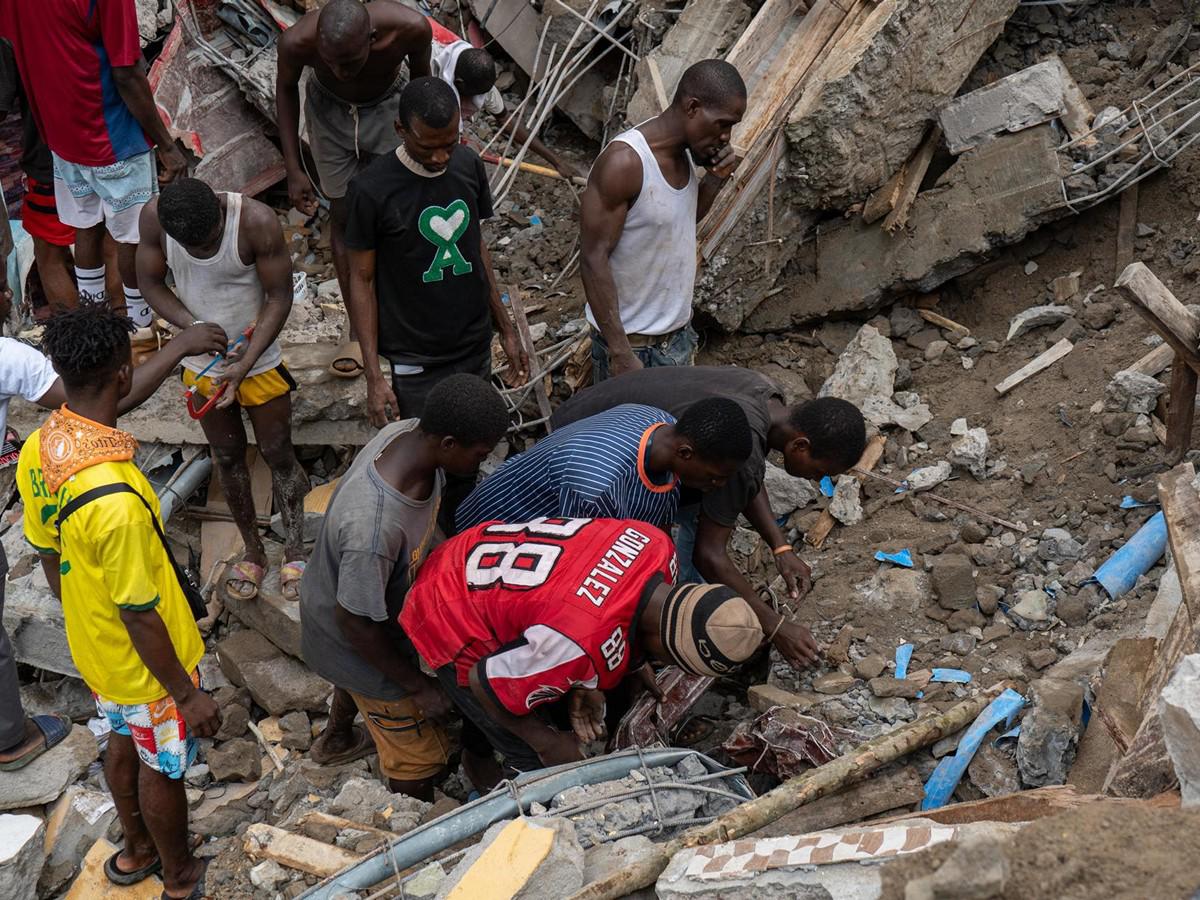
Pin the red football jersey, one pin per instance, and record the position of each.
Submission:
(547, 605)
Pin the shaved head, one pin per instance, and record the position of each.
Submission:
(343, 24)
(712, 83)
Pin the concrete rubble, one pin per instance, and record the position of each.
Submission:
(1179, 711)
(21, 854)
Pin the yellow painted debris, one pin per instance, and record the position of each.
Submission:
(93, 884)
(507, 864)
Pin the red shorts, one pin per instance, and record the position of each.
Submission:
(39, 215)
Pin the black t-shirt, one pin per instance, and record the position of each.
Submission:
(674, 389)
(430, 282)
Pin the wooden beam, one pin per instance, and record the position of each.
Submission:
(1181, 414)
(516, 302)
(1154, 361)
(880, 794)
(959, 331)
(914, 174)
(1042, 361)
(1126, 227)
(1078, 116)
(660, 92)
(295, 851)
(825, 523)
(759, 37)
(884, 200)
(1154, 301)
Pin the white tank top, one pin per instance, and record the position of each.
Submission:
(654, 262)
(221, 289)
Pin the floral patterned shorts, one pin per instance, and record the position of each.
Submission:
(161, 736)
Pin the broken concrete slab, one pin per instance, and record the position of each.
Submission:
(1049, 732)
(1179, 711)
(865, 375)
(872, 105)
(21, 853)
(1019, 101)
(993, 196)
(522, 859)
(270, 615)
(236, 760)
(33, 616)
(78, 819)
(93, 884)
(970, 452)
(44, 779)
(846, 504)
(278, 683)
(1037, 316)
(787, 494)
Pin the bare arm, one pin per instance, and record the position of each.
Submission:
(612, 188)
(134, 88)
(712, 561)
(362, 307)
(420, 57)
(551, 746)
(290, 67)
(273, 264)
(152, 270)
(51, 567)
(795, 571)
(153, 644)
(373, 642)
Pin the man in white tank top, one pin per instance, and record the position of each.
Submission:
(232, 268)
(638, 222)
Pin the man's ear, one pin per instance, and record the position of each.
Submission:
(685, 451)
(801, 444)
(447, 444)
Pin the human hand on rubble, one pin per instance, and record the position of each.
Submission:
(301, 193)
(382, 405)
(723, 162)
(200, 712)
(797, 574)
(203, 337)
(796, 644)
(558, 747)
(585, 709)
(569, 170)
(432, 701)
(173, 163)
(518, 360)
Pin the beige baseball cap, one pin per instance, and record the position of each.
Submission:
(708, 629)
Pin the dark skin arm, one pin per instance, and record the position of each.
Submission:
(518, 358)
(153, 644)
(50, 566)
(292, 52)
(373, 642)
(203, 338)
(796, 573)
(521, 134)
(134, 88)
(363, 310)
(152, 270)
(712, 560)
(552, 747)
(612, 188)
(719, 170)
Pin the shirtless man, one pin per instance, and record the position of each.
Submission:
(355, 51)
(638, 222)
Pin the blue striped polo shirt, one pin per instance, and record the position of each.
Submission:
(594, 468)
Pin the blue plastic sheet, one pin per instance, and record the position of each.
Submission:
(900, 557)
(1121, 570)
(903, 654)
(951, 676)
(827, 487)
(946, 776)
(1128, 502)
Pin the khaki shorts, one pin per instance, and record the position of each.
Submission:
(410, 747)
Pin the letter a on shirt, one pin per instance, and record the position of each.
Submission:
(442, 226)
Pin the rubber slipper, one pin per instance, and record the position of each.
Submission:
(290, 574)
(349, 352)
(244, 571)
(54, 728)
(363, 746)
(116, 876)
(197, 892)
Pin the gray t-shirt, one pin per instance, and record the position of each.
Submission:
(371, 543)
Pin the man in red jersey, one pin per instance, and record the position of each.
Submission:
(513, 616)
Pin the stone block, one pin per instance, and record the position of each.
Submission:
(1049, 732)
(1179, 712)
(1021, 100)
(238, 760)
(78, 819)
(278, 683)
(762, 697)
(44, 779)
(787, 494)
(276, 619)
(953, 580)
(33, 616)
(521, 859)
(21, 854)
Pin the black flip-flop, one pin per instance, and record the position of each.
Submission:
(197, 892)
(54, 729)
(124, 879)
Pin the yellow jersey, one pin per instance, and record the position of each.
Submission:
(110, 559)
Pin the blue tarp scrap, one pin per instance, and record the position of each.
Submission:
(899, 558)
(1129, 502)
(951, 676)
(946, 776)
(827, 487)
(903, 654)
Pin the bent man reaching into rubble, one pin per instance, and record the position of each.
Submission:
(356, 51)
(93, 518)
(817, 438)
(231, 267)
(514, 616)
(380, 525)
(638, 220)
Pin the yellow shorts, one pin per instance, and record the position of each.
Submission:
(253, 391)
(410, 746)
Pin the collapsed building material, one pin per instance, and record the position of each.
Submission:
(826, 522)
(522, 859)
(77, 820)
(45, 778)
(1039, 363)
(1179, 711)
(885, 792)
(295, 851)
(21, 855)
(845, 770)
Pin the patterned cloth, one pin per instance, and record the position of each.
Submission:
(161, 736)
(71, 443)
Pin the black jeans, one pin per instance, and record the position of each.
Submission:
(12, 716)
(517, 754)
(411, 392)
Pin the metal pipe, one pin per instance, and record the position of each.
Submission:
(182, 485)
(503, 803)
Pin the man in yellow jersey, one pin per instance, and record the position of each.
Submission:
(128, 622)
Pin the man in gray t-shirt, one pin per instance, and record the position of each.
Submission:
(380, 525)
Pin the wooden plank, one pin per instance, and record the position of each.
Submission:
(1154, 301)
(884, 200)
(1039, 363)
(1181, 414)
(1078, 116)
(914, 174)
(959, 331)
(660, 92)
(1127, 227)
(517, 305)
(825, 523)
(317, 500)
(756, 41)
(295, 851)
(1154, 361)
(879, 795)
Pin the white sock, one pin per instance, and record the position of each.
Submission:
(91, 285)
(137, 308)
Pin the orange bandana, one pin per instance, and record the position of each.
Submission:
(71, 443)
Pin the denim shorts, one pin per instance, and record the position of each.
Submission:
(676, 348)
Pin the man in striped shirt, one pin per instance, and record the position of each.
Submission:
(625, 463)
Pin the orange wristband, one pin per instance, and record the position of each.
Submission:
(783, 548)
